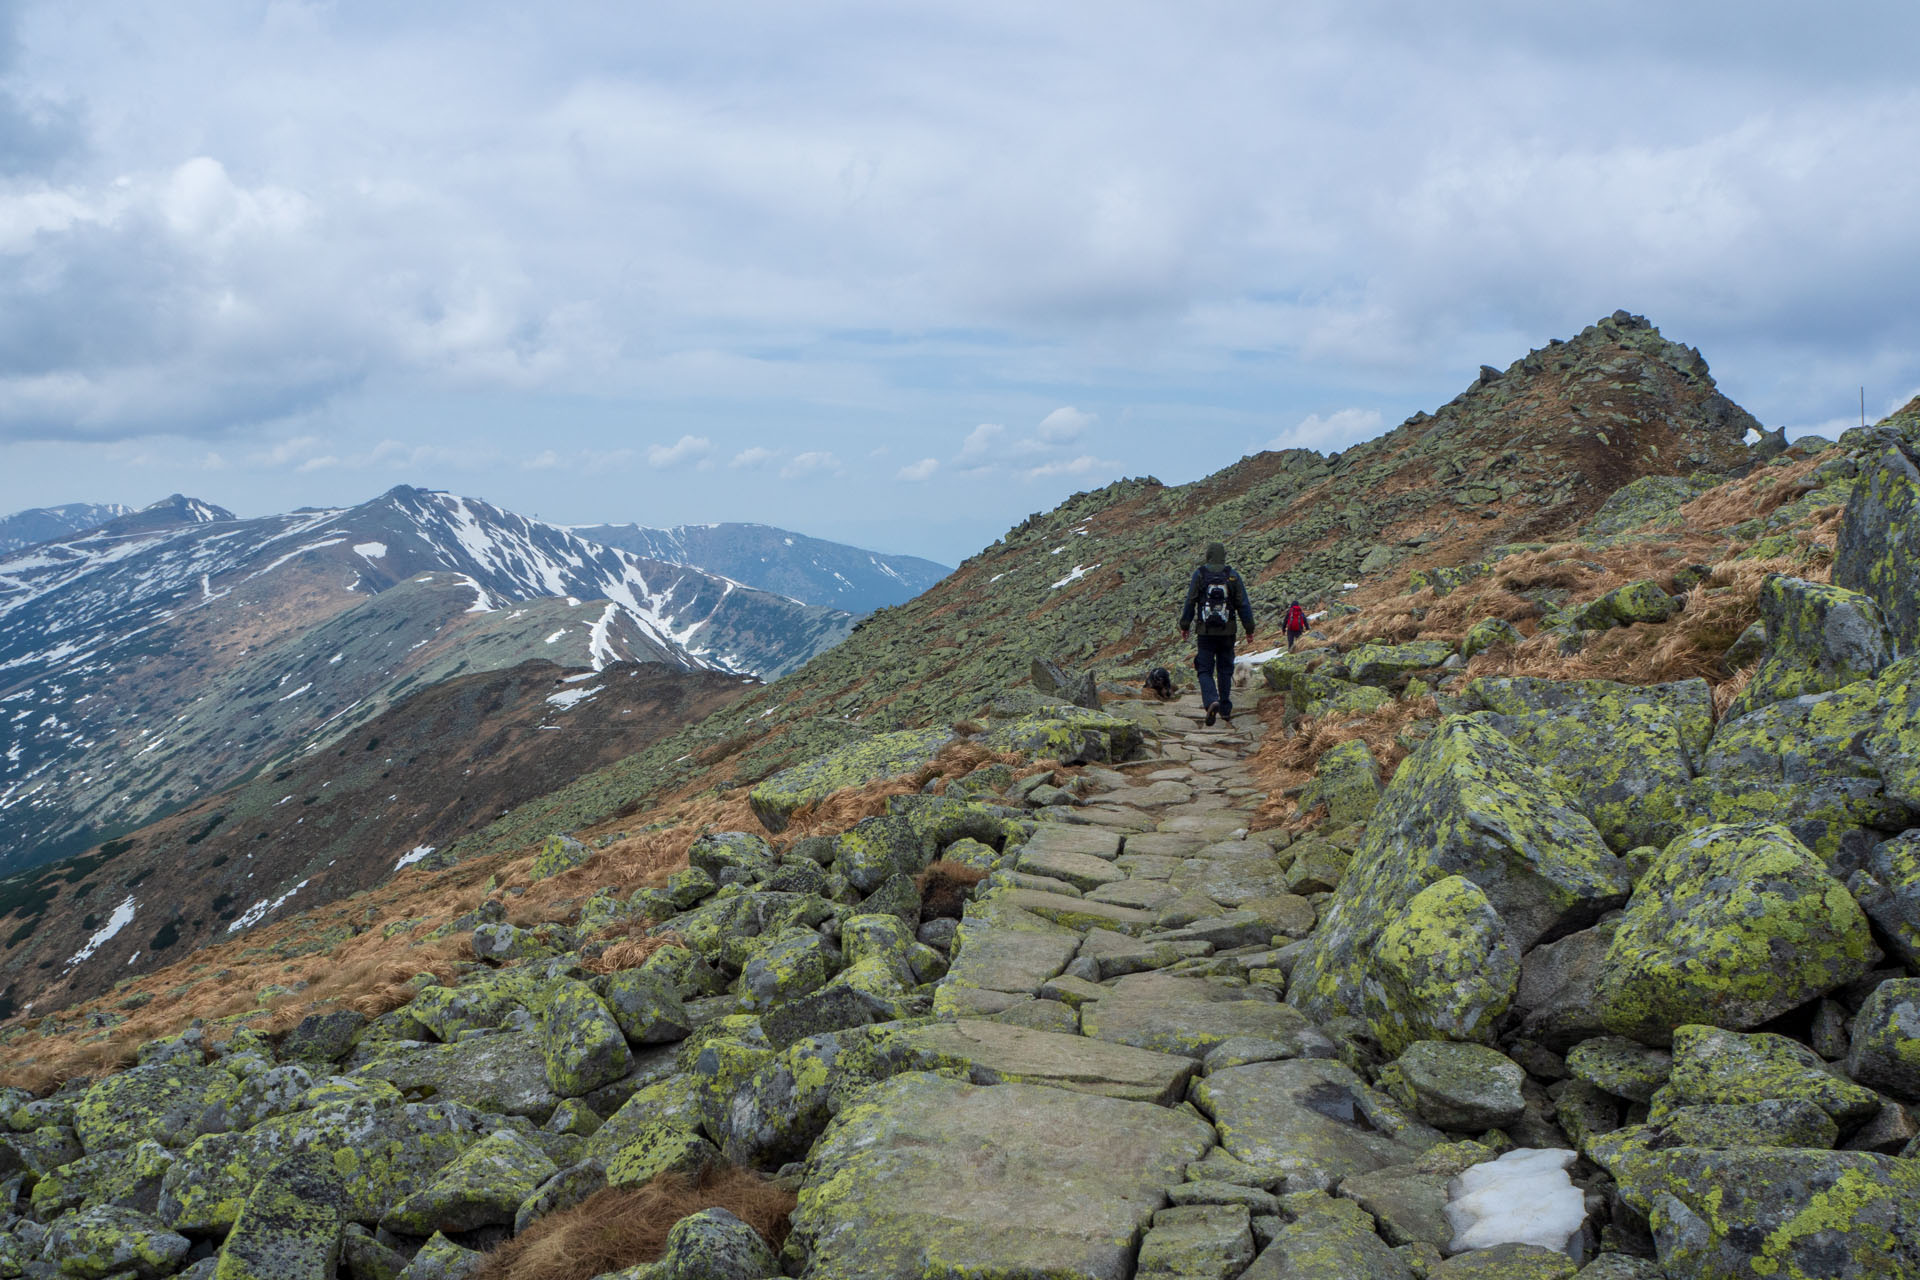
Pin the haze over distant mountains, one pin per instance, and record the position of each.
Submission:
(41, 524)
(811, 570)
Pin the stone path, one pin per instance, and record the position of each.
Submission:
(1134, 954)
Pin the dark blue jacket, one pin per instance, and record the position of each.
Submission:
(1237, 589)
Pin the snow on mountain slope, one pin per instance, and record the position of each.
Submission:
(811, 570)
(140, 666)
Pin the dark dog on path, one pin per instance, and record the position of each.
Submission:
(1160, 684)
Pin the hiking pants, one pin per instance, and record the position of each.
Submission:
(1213, 660)
(1292, 636)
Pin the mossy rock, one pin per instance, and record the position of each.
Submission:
(1463, 1087)
(1382, 664)
(1085, 737)
(580, 1040)
(1716, 1067)
(1466, 804)
(169, 1102)
(1625, 755)
(112, 1241)
(1888, 890)
(1642, 601)
(1733, 925)
(1877, 551)
(732, 857)
(483, 1187)
(884, 755)
(1347, 781)
(558, 853)
(1819, 637)
(1489, 633)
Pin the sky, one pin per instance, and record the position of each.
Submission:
(900, 275)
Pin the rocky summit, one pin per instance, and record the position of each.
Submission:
(1551, 910)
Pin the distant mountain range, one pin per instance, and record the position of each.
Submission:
(42, 524)
(810, 570)
(175, 649)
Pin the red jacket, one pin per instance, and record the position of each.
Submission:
(1296, 619)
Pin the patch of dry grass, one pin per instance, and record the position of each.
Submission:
(622, 1226)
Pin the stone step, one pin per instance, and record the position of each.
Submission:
(1001, 1053)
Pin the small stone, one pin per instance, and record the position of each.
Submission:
(1624, 1068)
(1450, 1085)
(1197, 1242)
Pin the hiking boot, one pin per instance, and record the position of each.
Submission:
(1226, 713)
(1213, 710)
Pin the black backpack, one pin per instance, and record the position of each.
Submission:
(1217, 592)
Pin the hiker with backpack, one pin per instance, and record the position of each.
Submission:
(1216, 598)
(1296, 623)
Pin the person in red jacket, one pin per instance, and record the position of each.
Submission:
(1296, 622)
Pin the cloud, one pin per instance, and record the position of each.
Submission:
(1064, 424)
(1333, 431)
(545, 460)
(920, 470)
(753, 458)
(1084, 465)
(812, 462)
(400, 456)
(682, 451)
(980, 442)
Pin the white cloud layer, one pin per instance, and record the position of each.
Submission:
(1128, 224)
(918, 471)
(682, 451)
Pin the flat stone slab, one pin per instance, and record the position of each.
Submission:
(929, 1176)
(1161, 844)
(1309, 1120)
(1115, 818)
(1061, 838)
(1078, 913)
(1081, 870)
(1216, 825)
(1188, 1016)
(999, 947)
(1002, 1053)
(1142, 895)
(1231, 881)
(1147, 866)
(1156, 795)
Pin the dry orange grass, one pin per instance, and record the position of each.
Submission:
(632, 951)
(1762, 493)
(1286, 760)
(622, 1226)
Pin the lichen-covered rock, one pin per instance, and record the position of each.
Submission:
(1379, 664)
(1623, 754)
(111, 1241)
(659, 1148)
(167, 1101)
(1315, 866)
(1622, 1067)
(1712, 1066)
(1071, 735)
(1443, 968)
(1819, 637)
(731, 920)
(559, 853)
(1197, 1242)
(647, 1007)
(674, 1101)
(1282, 669)
(290, 1229)
(876, 849)
(1885, 1053)
(381, 1154)
(565, 1189)
(1467, 803)
(1888, 889)
(714, 1245)
(884, 755)
(792, 963)
(1877, 551)
(484, 1186)
(1464, 1087)
(1894, 743)
(1319, 1238)
(1318, 693)
(1642, 601)
(1347, 781)
(1778, 1213)
(581, 1044)
(504, 1074)
(732, 857)
(1487, 634)
(442, 1259)
(1557, 982)
(1732, 925)
(127, 1177)
(481, 1003)
(323, 1037)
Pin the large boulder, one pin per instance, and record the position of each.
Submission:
(1894, 743)
(1878, 548)
(1469, 804)
(170, 1102)
(1642, 601)
(1885, 1051)
(503, 1074)
(290, 1229)
(1888, 889)
(483, 1187)
(580, 1042)
(110, 1241)
(1819, 637)
(1444, 968)
(1712, 1067)
(884, 755)
(1732, 926)
(732, 857)
(898, 1187)
(1381, 664)
(1623, 754)
(1069, 734)
(1744, 1214)
(1347, 781)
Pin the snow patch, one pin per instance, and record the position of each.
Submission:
(258, 911)
(1255, 659)
(1524, 1197)
(584, 675)
(567, 699)
(556, 635)
(297, 692)
(122, 917)
(1079, 572)
(371, 550)
(418, 852)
